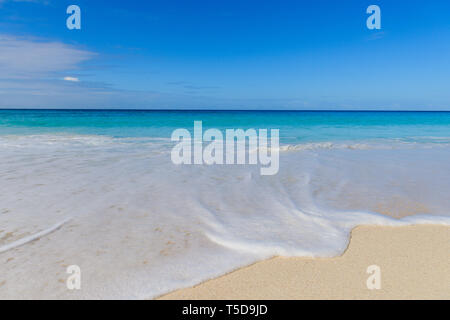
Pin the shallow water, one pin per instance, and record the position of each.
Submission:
(98, 189)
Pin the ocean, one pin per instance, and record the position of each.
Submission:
(98, 189)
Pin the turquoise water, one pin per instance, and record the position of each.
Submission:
(295, 126)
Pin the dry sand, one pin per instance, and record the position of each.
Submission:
(414, 263)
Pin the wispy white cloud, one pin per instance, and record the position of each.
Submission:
(37, 72)
(73, 79)
(33, 58)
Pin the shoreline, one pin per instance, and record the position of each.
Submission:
(414, 263)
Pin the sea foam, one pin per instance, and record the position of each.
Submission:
(139, 226)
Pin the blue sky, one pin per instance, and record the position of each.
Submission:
(225, 54)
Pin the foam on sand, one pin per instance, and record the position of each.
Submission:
(32, 237)
(141, 226)
(412, 262)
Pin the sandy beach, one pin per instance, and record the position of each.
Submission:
(414, 263)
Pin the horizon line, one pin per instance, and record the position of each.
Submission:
(214, 110)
